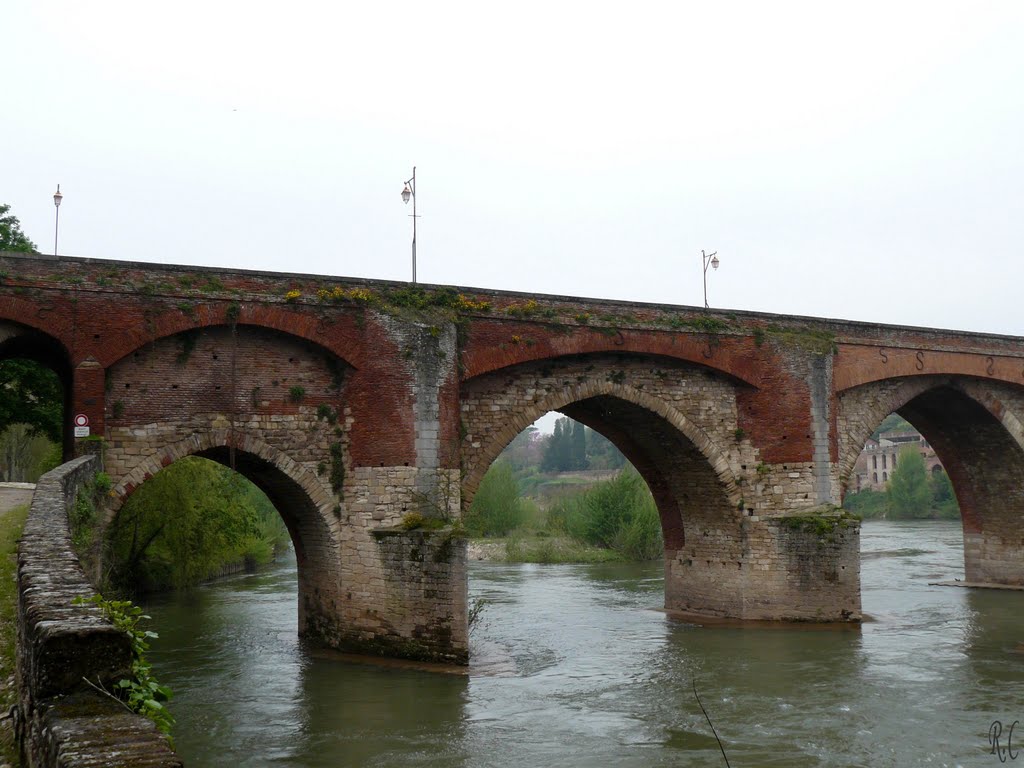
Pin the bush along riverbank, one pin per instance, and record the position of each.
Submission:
(615, 519)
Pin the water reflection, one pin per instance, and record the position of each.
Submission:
(577, 666)
(379, 716)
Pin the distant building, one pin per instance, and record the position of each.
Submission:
(878, 459)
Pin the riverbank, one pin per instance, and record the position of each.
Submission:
(539, 549)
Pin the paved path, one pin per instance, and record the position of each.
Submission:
(14, 495)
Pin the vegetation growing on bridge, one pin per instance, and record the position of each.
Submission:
(141, 693)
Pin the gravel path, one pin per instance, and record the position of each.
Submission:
(14, 495)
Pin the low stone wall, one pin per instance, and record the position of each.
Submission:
(63, 721)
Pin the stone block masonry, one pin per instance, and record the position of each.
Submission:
(355, 404)
(62, 721)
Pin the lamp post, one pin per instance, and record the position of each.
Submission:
(410, 191)
(712, 260)
(57, 197)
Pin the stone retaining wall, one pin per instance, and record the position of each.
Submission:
(62, 720)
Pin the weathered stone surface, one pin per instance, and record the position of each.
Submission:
(60, 646)
(353, 406)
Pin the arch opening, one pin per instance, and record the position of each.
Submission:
(968, 459)
(194, 521)
(35, 396)
(295, 494)
(676, 423)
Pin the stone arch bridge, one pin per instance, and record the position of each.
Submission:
(355, 403)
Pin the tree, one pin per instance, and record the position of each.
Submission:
(188, 522)
(496, 508)
(31, 394)
(909, 493)
(602, 453)
(523, 451)
(558, 450)
(944, 503)
(578, 457)
(11, 236)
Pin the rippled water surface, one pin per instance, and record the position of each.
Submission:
(576, 666)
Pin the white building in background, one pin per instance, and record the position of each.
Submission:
(878, 459)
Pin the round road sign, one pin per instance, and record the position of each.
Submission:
(81, 420)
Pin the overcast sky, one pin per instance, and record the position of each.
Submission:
(860, 161)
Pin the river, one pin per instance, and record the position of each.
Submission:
(574, 665)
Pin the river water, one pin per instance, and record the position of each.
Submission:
(575, 665)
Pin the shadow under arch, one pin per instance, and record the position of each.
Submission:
(304, 504)
(687, 474)
(20, 341)
(978, 438)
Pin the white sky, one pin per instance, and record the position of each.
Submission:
(860, 161)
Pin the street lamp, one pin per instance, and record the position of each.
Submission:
(711, 259)
(410, 191)
(57, 197)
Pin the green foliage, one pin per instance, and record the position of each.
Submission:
(617, 514)
(24, 457)
(324, 412)
(868, 504)
(31, 394)
(414, 521)
(141, 692)
(188, 341)
(821, 524)
(893, 422)
(82, 516)
(337, 477)
(11, 525)
(496, 508)
(556, 549)
(809, 339)
(11, 236)
(187, 523)
(297, 394)
(908, 490)
(704, 323)
(566, 449)
(602, 453)
(944, 503)
(912, 491)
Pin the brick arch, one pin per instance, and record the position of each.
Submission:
(866, 406)
(975, 428)
(689, 476)
(860, 364)
(18, 340)
(344, 342)
(520, 420)
(305, 506)
(863, 408)
(41, 317)
(487, 348)
(309, 516)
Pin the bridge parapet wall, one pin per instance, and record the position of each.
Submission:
(62, 720)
